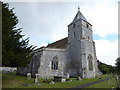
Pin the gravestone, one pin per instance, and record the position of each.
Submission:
(117, 80)
(52, 82)
(36, 78)
(79, 78)
(29, 75)
(62, 74)
(59, 78)
(68, 76)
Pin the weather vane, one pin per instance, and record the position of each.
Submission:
(78, 8)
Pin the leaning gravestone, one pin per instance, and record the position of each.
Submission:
(79, 78)
(28, 75)
(68, 75)
(36, 78)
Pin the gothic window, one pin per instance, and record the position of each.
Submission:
(54, 65)
(90, 62)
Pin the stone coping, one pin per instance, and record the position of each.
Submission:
(49, 49)
(60, 77)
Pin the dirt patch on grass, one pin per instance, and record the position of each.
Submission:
(10, 82)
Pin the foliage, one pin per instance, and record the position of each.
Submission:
(118, 65)
(105, 69)
(15, 50)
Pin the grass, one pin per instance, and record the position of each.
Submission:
(14, 81)
(106, 84)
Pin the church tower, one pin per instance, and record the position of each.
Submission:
(81, 54)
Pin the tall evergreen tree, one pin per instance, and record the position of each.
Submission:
(15, 50)
(118, 65)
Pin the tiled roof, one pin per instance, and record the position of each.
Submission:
(59, 44)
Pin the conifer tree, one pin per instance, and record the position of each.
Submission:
(15, 50)
(118, 65)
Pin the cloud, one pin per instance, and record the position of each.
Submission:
(107, 51)
(43, 44)
(104, 18)
(47, 22)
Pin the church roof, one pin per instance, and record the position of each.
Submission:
(63, 42)
(79, 16)
(59, 44)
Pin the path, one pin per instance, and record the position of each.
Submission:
(91, 83)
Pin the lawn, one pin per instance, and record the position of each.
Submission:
(106, 84)
(14, 81)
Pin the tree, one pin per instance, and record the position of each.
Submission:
(15, 50)
(118, 65)
(103, 68)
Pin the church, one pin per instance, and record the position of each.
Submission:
(74, 55)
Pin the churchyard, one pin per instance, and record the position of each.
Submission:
(11, 80)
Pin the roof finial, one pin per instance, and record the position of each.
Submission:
(78, 8)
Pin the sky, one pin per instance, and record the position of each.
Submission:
(46, 22)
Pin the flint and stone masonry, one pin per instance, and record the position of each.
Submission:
(74, 54)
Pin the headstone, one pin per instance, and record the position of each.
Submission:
(59, 78)
(68, 75)
(46, 78)
(29, 75)
(36, 79)
(62, 74)
(117, 80)
(63, 80)
(117, 77)
(52, 82)
(79, 78)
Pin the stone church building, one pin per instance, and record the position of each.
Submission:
(74, 54)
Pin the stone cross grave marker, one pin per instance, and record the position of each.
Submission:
(36, 78)
(79, 78)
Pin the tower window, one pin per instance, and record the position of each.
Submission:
(87, 25)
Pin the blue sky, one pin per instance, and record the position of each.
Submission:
(46, 22)
(110, 37)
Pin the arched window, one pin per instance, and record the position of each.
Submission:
(54, 65)
(90, 62)
(87, 25)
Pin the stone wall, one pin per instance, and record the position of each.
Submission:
(45, 69)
